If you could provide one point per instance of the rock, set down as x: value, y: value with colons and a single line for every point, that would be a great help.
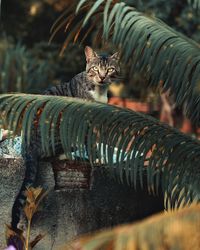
x: 66, y: 213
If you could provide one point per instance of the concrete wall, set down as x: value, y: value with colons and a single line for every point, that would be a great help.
x: 68, y: 213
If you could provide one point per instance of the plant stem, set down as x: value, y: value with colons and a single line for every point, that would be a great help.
x: 28, y: 234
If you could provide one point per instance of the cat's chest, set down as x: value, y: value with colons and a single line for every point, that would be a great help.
x: 99, y: 97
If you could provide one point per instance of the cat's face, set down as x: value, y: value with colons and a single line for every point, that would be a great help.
x: 101, y: 69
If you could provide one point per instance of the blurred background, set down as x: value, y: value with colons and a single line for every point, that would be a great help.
x: 29, y: 63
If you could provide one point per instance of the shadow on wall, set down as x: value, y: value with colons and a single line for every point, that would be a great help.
x: 67, y: 213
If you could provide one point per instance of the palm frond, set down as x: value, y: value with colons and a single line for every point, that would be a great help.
x: 162, y: 231
x: 133, y: 146
x: 169, y: 59
x: 195, y: 4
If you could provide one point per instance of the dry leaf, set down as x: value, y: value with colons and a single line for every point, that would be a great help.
x: 15, y: 238
x: 34, y: 197
x: 38, y: 238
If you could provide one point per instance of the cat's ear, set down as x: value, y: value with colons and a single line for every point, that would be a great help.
x: 115, y: 56
x: 89, y: 53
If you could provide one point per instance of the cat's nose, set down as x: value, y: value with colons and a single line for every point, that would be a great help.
x: 102, y: 77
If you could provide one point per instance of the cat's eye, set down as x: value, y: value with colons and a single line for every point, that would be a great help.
x: 111, y: 70
x: 95, y: 68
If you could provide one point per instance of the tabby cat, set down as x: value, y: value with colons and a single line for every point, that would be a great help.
x: 91, y: 84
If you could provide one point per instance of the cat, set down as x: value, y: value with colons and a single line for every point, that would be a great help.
x: 92, y: 85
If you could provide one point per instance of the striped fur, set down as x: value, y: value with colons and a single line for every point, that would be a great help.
x: 91, y: 84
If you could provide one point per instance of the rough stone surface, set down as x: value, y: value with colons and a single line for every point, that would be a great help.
x: 68, y: 213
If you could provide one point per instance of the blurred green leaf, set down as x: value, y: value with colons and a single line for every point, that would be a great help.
x: 171, y: 230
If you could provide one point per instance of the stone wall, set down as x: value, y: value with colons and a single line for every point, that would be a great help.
x: 67, y: 213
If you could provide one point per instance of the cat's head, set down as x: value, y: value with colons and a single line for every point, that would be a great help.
x: 101, y: 68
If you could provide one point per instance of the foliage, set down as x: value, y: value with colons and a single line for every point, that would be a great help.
x: 20, y: 72
x: 142, y: 145
x: 34, y: 197
x: 147, y: 44
x: 11, y: 11
x: 33, y: 70
x: 180, y: 15
x: 29, y: 15
x: 195, y: 3
x: 16, y: 238
x: 178, y: 230
x: 60, y: 68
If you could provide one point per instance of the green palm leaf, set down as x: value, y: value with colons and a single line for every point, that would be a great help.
x: 169, y: 59
x: 135, y: 147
